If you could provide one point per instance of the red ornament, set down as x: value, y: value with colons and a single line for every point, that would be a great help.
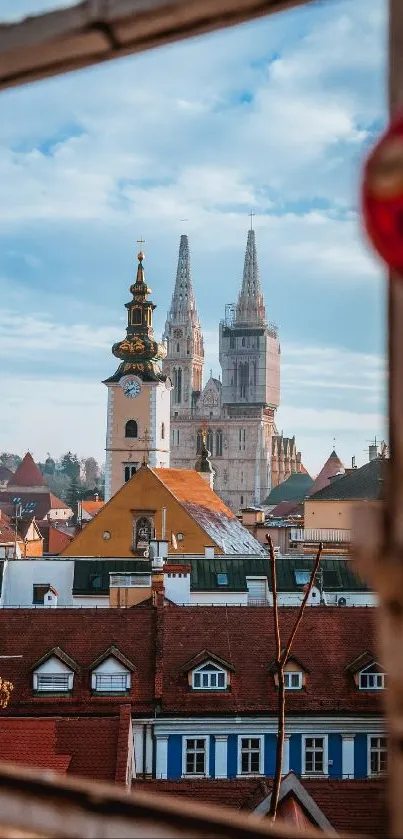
x: 382, y: 196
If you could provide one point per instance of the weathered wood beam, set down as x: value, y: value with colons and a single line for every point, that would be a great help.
x: 379, y: 527
x: 50, y: 805
x: 92, y: 32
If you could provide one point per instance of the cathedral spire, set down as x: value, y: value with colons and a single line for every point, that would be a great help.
x: 183, y: 336
x: 250, y: 307
x: 183, y: 305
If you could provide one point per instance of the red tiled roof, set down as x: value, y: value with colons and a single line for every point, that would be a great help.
x: 7, y: 531
x: 44, y: 501
x: 90, y: 747
x: 225, y: 792
x: 331, y: 468
x: 27, y: 474
x: 354, y: 806
x: 242, y: 636
x: 83, y: 634
x: 33, y: 743
x: 57, y: 503
x: 55, y: 540
x: 287, y: 508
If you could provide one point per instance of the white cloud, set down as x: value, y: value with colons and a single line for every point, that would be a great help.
x: 273, y: 116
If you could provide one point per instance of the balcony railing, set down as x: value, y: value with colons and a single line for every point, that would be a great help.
x: 300, y: 534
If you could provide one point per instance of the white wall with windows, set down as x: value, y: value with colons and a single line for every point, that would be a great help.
x: 322, y: 747
x: 20, y: 577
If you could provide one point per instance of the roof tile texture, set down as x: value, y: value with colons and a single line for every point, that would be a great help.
x: 85, y: 746
x: 170, y: 636
x: 353, y: 806
x: 27, y: 474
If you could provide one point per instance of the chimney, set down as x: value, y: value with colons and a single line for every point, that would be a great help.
x: 157, y: 576
x: 50, y: 598
x: 373, y: 451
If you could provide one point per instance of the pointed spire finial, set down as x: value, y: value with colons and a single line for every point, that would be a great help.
x: 250, y: 308
x: 183, y: 303
x: 252, y: 214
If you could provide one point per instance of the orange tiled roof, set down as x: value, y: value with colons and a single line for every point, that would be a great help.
x: 57, y: 503
x: 189, y: 487
x: 27, y: 474
x: 92, y: 507
x: 206, y: 508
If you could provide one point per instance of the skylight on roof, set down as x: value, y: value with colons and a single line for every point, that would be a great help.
x: 222, y: 579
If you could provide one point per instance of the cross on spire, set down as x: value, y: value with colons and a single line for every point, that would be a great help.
x: 141, y: 241
x: 252, y: 215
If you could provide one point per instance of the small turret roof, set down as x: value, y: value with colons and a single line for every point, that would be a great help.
x: 331, y: 468
x: 27, y: 475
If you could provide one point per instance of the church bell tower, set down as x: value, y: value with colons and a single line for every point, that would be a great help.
x: 138, y: 418
x: 185, y: 353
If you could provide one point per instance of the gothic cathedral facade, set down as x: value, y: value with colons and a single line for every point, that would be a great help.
x: 237, y: 411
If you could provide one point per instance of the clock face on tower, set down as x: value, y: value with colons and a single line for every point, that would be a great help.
x: 131, y: 386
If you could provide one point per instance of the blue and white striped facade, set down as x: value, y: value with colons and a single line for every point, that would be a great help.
x: 160, y: 745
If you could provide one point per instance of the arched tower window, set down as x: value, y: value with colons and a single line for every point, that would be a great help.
x: 199, y: 442
x: 218, y: 443
x: 243, y: 378
x: 136, y: 316
x: 131, y: 428
x: 178, y: 386
x: 209, y: 441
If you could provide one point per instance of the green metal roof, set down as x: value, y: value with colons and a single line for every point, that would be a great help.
x: 91, y: 576
x: 337, y: 573
x: 295, y: 488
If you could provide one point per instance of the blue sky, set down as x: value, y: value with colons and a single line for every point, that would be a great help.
x: 275, y: 117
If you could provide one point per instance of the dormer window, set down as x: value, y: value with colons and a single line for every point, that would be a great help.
x: 111, y: 673
x: 295, y: 674
x: 54, y: 674
x: 293, y: 680
x: 209, y: 677
x: 372, y: 678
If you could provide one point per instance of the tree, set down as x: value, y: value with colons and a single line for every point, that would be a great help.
x: 74, y: 494
x: 10, y: 461
x: 49, y: 466
x: 91, y: 472
x: 59, y: 484
x: 5, y: 692
x: 70, y: 465
x: 282, y: 656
